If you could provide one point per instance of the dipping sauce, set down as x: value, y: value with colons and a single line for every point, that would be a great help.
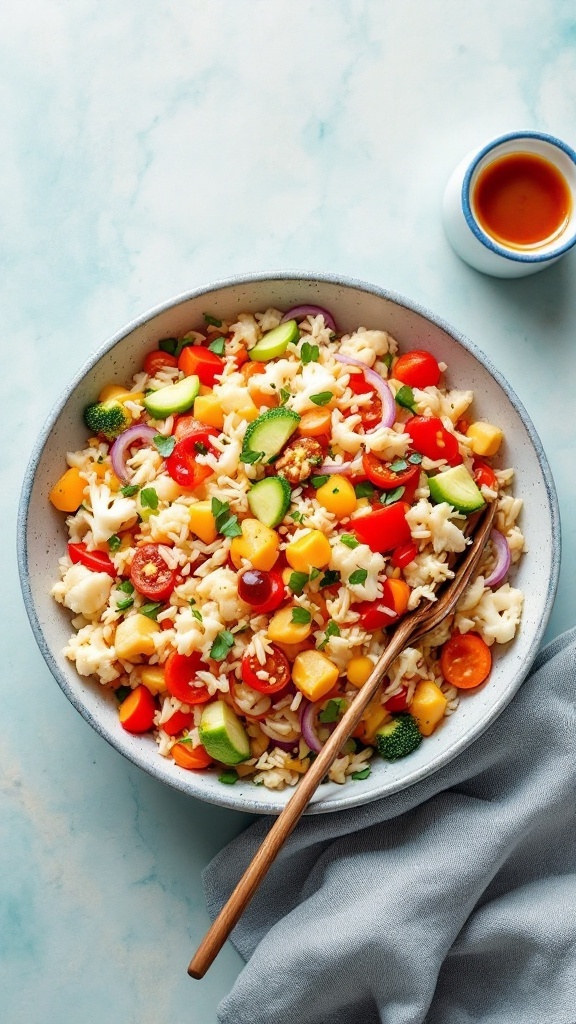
x: 521, y: 200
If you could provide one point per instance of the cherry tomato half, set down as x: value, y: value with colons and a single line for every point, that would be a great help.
x: 371, y: 414
x: 431, y: 439
x: 380, y: 474
x: 418, y: 369
x: 264, y: 591
x: 398, y: 701
x: 465, y: 660
x: 186, y: 425
x: 403, y: 555
x: 275, y: 667
x: 96, y: 561
x: 384, y: 529
x: 150, y: 574
x: 484, y: 475
x: 182, y: 465
x: 158, y: 360
x: 194, y: 359
x: 179, y: 674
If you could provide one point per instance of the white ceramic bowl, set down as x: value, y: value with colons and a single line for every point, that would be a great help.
x: 42, y: 534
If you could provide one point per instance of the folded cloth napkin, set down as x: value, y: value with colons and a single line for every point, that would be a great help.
x: 453, y: 901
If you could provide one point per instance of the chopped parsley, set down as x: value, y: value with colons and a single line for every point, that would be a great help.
x: 298, y: 517
x: 302, y: 616
x: 212, y: 320
x: 322, y: 398
x: 405, y: 398
x: 319, y: 481
x: 364, y: 489
x: 168, y: 345
x: 251, y: 457
x: 126, y: 587
x: 222, y: 645
x: 226, y: 522
x: 398, y: 466
x: 309, y: 353
x: 121, y: 692
x: 415, y: 458
x: 149, y: 498
x: 349, y: 540
x: 358, y: 776
x: 197, y: 614
x: 200, y: 448
x: 114, y: 542
x: 164, y: 445
x: 229, y: 777
x: 333, y: 710
x: 389, y: 497
x: 129, y: 490
x: 217, y: 346
x: 330, y: 577
x: 298, y: 581
x: 332, y: 629
x: 284, y: 396
x: 358, y: 577
x: 124, y: 604
x: 151, y: 610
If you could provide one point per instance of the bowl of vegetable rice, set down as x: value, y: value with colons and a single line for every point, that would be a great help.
x: 235, y: 501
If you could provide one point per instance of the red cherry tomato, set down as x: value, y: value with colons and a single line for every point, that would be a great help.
x: 158, y: 360
x: 186, y: 425
x: 403, y: 555
x: 276, y: 669
x: 418, y: 369
x: 385, y: 528
x: 431, y: 439
x: 138, y: 710
x: 380, y: 474
x: 484, y: 475
x: 177, y: 722
x: 385, y: 610
x: 370, y: 414
x: 179, y: 674
x: 264, y: 591
x: 194, y: 359
x: 150, y: 574
x: 182, y: 465
x: 96, y: 561
x: 398, y: 701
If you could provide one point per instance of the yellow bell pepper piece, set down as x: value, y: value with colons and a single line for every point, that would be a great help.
x: 134, y: 637
x: 311, y: 551
x: 485, y: 438
x: 337, y: 496
x: 120, y: 393
x: 374, y: 716
x: 152, y: 677
x: 428, y: 706
x: 281, y: 628
x: 207, y: 409
x: 358, y: 670
x: 68, y: 491
x: 202, y: 522
x: 314, y: 674
x: 258, y: 543
x: 249, y: 412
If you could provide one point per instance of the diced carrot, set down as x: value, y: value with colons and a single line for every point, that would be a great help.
x: 315, y: 423
x: 68, y: 491
x: 191, y: 758
x: 138, y: 710
x: 465, y: 660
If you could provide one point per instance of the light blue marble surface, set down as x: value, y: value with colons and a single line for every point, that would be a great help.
x: 149, y: 149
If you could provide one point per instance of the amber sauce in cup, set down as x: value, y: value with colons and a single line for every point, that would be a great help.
x: 521, y: 200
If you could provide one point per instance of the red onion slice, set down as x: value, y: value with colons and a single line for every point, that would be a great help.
x: 287, y: 745
x: 380, y: 386
x: 308, y: 726
x: 299, y: 311
x: 335, y: 467
x: 503, y: 559
x: 122, y: 445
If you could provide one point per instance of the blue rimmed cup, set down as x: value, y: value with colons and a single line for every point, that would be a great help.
x: 472, y: 242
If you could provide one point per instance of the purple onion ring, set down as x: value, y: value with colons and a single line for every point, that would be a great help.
x: 300, y: 311
x: 123, y: 443
x: 503, y: 559
x: 308, y: 726
x: 380, y: 386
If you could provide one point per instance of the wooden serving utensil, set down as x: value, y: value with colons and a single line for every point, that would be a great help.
x: 411, y: 628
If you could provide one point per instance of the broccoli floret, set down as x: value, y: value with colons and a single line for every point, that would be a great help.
x: 398, y: 738
x: 109, y: 418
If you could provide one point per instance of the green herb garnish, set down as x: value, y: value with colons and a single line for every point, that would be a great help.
x: 212, y: 320
x: 405, y: 398
x: 222, y: 645
x: 298, y: 581
x: 229, y: 777
x: 358, y: 776
x: 309, y: 353
x: 251, y: 457
x: 151, y: 610
x: 358, y: 577
x: 164, y: 445
x: 332, y: 629
x: 129, y: 490
x: 389, y: 497
x: 415, y: 458
x: 168, y: 345
x: 121, y: 692
x: 330, y: 577
x: 322, y: 398
x: 349, y: 540
x: 333, y: 710
x: 124, y: 604
x: 226, y: 523
x: 217, y: 346
x: 126, y: 587
x: 364, y: 489
x: 114, y: 542
x: 284, y: 396
x: 398, y: 466
x: 319, y: 481
x: 149, y: 498
x: 301, y: 616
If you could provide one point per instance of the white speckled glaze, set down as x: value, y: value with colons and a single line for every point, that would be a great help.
x: 465, y: 234
x: 42, y: 534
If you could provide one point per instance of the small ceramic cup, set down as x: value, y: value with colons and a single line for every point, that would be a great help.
x: 465, y: 233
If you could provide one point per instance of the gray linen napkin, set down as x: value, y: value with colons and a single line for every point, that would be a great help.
x: 453, y: 901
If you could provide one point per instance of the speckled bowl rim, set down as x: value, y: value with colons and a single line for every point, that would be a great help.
x: 350, y: 797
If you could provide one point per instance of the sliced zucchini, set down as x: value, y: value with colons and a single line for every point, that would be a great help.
x: 274, y: 343
x: 269, y: 500
x: 222, y: 734
x: 173, y: 398
x: 268, y: 434
x: 457, y: 487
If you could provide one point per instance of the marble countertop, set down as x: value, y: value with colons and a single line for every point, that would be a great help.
x: 146, y: 151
